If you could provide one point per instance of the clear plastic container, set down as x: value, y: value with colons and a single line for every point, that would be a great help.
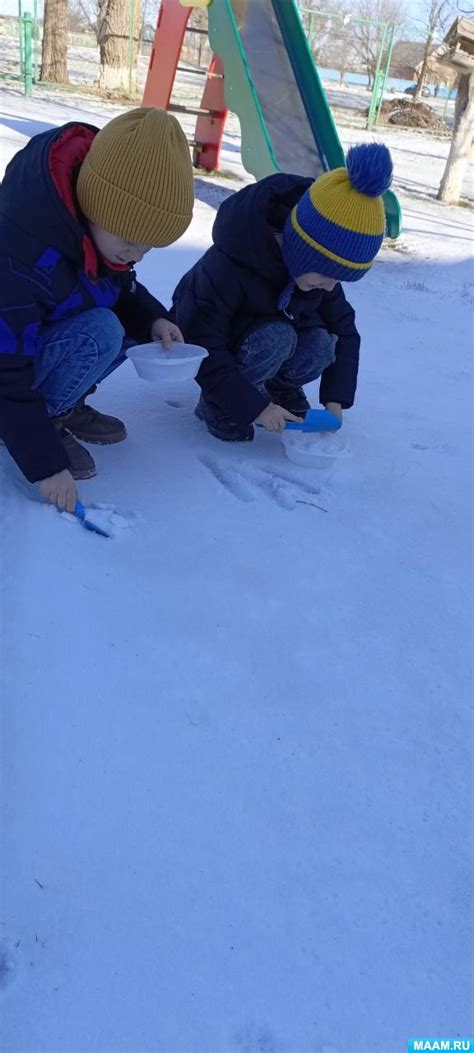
x: 153, y: 363
x: 314, y: 449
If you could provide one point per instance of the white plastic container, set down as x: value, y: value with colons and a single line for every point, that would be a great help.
x: 320, y: 450
x: 180, y: 363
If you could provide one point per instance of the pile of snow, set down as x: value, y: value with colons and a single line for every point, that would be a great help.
x: 105, y: 518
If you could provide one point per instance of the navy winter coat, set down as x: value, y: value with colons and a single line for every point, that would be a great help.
x: 49, y: 271
x: 236, y: 286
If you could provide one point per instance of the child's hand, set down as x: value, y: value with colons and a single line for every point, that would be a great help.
x: 166, y: 331
x: 60, y: 490
x: 335, y: 408
x: 275, y: 417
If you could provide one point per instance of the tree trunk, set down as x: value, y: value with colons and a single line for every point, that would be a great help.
x: 118, y: 66
x: 54, y: 54
x: 421, y: 78
x: 461, y: 143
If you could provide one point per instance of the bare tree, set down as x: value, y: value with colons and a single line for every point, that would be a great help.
x: 149, y: 9
x: 319, y: 29
x: 461, y: 143
x: 342, y: 47
x: 369, y: 34
x: 82, y: 17
x: 54, y: 54
x: 330, y: 34
x: 118, y: 67
x: 437, y: 13
x: 197, y: 42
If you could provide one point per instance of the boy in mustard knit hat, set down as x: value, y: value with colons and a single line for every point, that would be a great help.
x: 78, y: 208
x: 266, y: 299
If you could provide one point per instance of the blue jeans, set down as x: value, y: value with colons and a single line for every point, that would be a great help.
x: 275, y: 351
x: 72, y: 357
x: 76, y: 354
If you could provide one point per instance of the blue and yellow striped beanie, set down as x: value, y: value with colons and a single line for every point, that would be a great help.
x: 337, y: 227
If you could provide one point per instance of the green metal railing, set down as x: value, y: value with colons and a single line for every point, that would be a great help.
x: 384, y: 56
x: 381, y: 75
x: 32, y: 31
x: 393, y: 215
x: 27, y: 53
x: 27, y: 34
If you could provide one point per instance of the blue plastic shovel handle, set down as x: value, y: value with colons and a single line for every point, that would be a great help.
x: 315, y: 420
x: 81, y: 514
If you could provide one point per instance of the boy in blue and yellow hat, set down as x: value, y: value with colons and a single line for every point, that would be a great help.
x: 266, y: 299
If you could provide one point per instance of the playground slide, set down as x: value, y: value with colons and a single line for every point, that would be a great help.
x: 294, y: 145
x: 272, y: 84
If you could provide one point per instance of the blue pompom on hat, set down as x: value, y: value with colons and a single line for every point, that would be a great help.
x: 337, y: 227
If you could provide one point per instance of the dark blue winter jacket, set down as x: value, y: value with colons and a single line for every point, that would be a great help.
x: 236, y: 286
x: 49, y: 271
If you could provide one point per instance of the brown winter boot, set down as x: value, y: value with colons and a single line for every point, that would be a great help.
x: 88, y: 424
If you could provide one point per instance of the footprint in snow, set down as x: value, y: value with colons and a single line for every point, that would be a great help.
x: 8, y: 963
x: 245, y: 482
x: 254, y: 1038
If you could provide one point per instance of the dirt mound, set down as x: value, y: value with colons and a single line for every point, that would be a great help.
x: 411, y: 114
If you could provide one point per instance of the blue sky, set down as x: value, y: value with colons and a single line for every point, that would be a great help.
x: 10, y: 7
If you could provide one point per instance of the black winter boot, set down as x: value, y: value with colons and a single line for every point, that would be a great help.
x: 292, y: 399
x: 81, y: 464
x: 222, y: 427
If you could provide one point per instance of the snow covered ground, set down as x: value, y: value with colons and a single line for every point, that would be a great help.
x: 83, y: 70
x: 419, y: 158
x: 235, y: 738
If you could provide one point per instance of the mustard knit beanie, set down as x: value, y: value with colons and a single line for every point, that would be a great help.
x: 137, y: 180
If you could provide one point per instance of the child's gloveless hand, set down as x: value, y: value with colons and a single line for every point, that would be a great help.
x: 167, y: 332
x: 60, y: 490
x: 336, y: 409
x: 274, y: 417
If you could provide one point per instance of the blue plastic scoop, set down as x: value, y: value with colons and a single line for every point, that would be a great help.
x: 87, y: 523
x: 315, y: 420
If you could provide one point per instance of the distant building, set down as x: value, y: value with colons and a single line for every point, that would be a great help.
x: 406, y: 56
